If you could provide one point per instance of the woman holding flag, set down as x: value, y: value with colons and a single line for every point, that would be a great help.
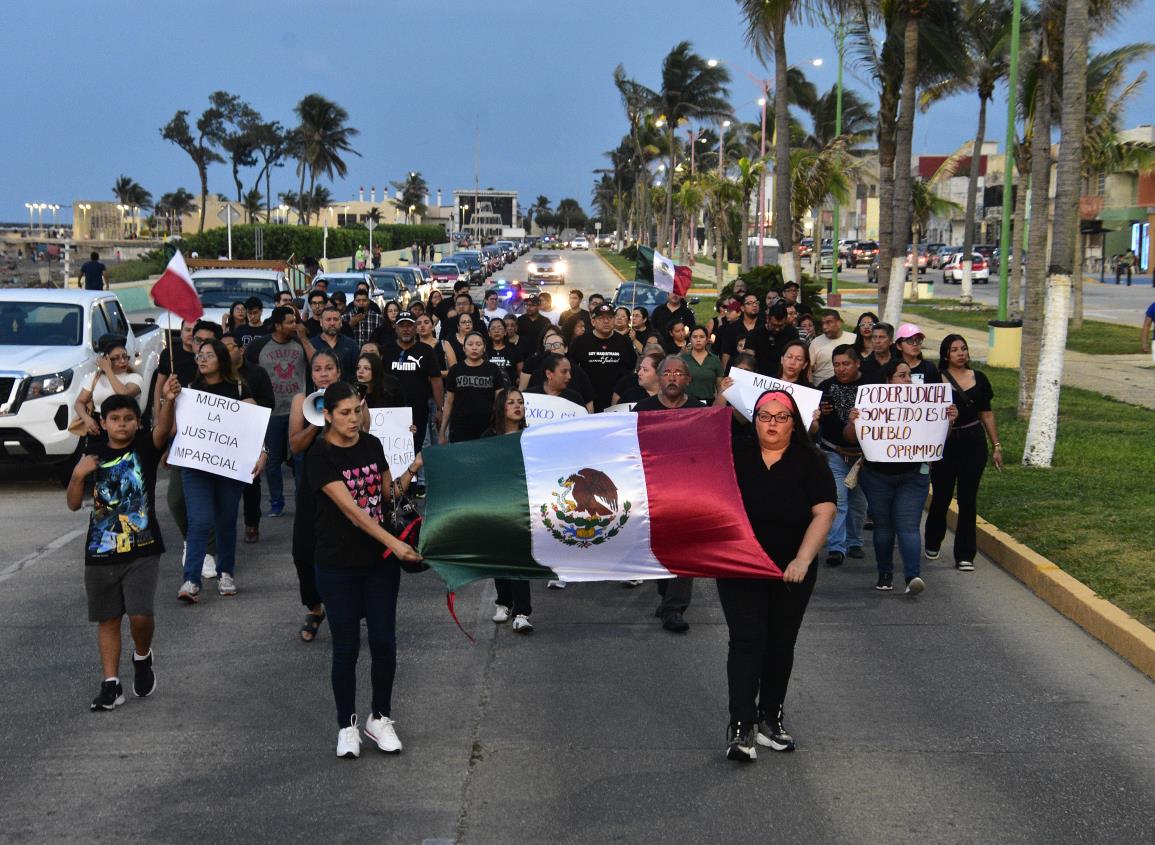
x: 764, y: 615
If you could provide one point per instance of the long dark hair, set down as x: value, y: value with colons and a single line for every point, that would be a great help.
x: 804, y: 374
x: 224, y: 362
x: 376, y: 393
x: 944, y: 351
x: 859, y: 340
x: 800, y: 435
x: 497, y: 419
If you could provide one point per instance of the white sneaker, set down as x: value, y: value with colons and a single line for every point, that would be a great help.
x: 637, y: 582
x: 965, y: 566
x: 380, y: 729
x: 521, y: 624
x: 209, y: 568
x: 501, y: 613
x: 555, y: 584
x: 349, y: 741
x: 227, y: 586
x: 189, y: 592
x: 915, y: 586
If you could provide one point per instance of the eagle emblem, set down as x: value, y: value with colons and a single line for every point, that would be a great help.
x: 583, y: 510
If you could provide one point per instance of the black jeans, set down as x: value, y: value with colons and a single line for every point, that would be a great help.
x: 963, y: 460
x: 763, y: 617
x: 676, y: 594
x: 350, y: 595
x: 252, y: 503
x: 514, y: 594
x: 304, y: 546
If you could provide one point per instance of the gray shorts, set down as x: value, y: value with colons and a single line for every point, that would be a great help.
x: 118, y: 589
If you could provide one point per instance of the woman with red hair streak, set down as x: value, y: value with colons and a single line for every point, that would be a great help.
x: 764, y: 615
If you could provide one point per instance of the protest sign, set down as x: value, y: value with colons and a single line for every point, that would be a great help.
x: 218, y: 434
x: 749, y: 386
x: 542, y: 408
x: 902, y: 423
x: 391, y: 426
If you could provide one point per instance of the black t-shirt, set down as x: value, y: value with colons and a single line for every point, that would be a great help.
x: 731, y: 334
x: 231, y: 390
x: 842, y: 397
x: 507, y: 358
x: 123, y: 524
x: 258, y: 383
x: 604, y: 361
x: 924, y: 372
x: 473, y: 389
x: 778, y: 500
x: 654, y: 403
x: 767, y: 347
x: 871, y: 369
x: 568, y: 393
x: 529, y: 332
x: 579, y: 382
x: 93, y: 275
x: 972, y: 402
x: 360, y: 468
x: 663, y: 316
x: 186, y: 364
x: 414, y: 367
x: 246, y: 334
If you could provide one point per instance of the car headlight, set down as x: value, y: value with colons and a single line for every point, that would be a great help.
x: 48, y: 385
x: 532, y: 268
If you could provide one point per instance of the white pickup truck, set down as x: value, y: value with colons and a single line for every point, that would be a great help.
x: 48, y: 352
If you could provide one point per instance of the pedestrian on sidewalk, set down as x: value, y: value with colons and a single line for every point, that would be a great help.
x: 964, y: 457
x: 764, y: 615
x: 1124, y: 264
x: 123, y: 545
x: 512, y: 593
x: 355, y: 580
x: 895, y: 496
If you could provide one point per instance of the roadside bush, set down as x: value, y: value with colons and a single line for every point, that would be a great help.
x: 282, y: 242
x: 630, y: 252
x: 767, y: 277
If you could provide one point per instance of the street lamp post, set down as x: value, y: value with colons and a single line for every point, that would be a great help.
x: 30, y: 206
x: 722, y: 148
x: 1008, y: 155
x: 837, y: 132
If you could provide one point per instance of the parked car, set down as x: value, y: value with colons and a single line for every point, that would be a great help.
x: 844, y: 248
x: 922, y: 260
x: 448, y: 273
x: 48, y: 355
x: 390, y: 285
x: 220, y: 288
x: 411, y: 274
x: 580, y: 242
x: 863, y: 252
x: 872, y: 271
x: 546, y: 268
x: 643, y: 294
x: 826, y: 261
x: 347, y: 284
x: 952, y: 271
x: 805, y: 247
x: 472, y: 265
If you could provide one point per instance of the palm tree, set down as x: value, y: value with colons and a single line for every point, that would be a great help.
x: 322, y: 139
x: 925, y: 205
x: 720, y: 196
x: 174, y: 206
x: 986, y: 32
x: 570, y: 211
x: 688, y: 199
x: 858, y: 122
x: 539, y: 208
x: 748, y: 178
x: 691, y: 90
x: 130, y: 192
x: 817, y: 175
x: 413, y: 190
x: 252, y: 204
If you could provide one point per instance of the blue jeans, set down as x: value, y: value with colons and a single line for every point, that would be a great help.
x: 211, y: 502
x: 896, y: 503
x: 846, y: 532
x: 277, y: 441
x: 350, y: 595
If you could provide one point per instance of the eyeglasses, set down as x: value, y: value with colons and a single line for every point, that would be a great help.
x: 206, y: 356
x: 557, y: 345
x: 675, y: 374
x: 917, y: 341
x: 117, y: 357
x: 766, y: 416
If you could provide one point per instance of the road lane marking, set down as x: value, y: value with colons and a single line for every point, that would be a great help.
x: 36, y: 556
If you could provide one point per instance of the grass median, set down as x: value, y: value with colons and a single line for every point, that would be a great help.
x: 1095, y: 338
x: 1091, y: 513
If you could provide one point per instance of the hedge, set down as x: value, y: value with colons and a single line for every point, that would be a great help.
x: 281, y: 242
x: 768, y: 277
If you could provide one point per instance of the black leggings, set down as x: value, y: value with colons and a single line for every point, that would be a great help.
x: 514, y: 594
x: 963, y: 460
x: 350, y: 595
x: 763, y: 617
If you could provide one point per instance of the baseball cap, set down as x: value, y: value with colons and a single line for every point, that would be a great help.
x: 405, y: 317
x: 790, y: 285
x: 602, y: 310
x: 907, y: 330
x: 533, y: 298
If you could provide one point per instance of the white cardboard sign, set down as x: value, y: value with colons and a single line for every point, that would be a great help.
x: 218, y: 434
x: 391, y: 426
x: 902, y: 423
x: 749, y: 386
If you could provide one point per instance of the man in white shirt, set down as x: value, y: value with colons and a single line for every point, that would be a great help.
x: 822, y: 347
x: 491, y: 311
x: 547, y: 310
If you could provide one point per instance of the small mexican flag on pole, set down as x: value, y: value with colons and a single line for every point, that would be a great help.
x: 662, y: 272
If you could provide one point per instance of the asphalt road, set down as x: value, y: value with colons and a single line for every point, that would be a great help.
x: 974, y: 713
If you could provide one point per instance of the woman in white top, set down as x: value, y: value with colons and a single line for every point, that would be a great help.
x: 114, y: 375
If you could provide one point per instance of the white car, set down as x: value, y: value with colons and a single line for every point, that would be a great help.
x: 219, y: 288
x: 580, y: 242
x: 952, y: 271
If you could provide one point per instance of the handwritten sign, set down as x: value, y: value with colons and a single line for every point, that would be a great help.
x: 902, y: 423
x: 391, y: 426
x: 542, y: 408
x: 749, y: 386
x: 218, y: 434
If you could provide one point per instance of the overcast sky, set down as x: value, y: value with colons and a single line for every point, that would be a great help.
x: 87, y: 86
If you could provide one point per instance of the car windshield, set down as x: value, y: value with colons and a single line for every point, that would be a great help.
x: 647, y: 296
x: 221, y: 292
x: 862, y: 244
x: 345, y: 284
x: 543, y: 258
x: 41, y: 324
x: 445, y: 269
x: 387, y: 281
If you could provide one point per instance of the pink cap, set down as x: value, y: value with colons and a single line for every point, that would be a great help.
x: 907, y: 330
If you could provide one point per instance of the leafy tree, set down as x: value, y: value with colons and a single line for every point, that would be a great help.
x: 252, y: 204
x: 413, y: 192
x: 175, y: 205
x: 198, y: 147
x: 271, y: 143
x: 236, y: 133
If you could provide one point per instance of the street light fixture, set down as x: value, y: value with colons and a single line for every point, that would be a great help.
x: 30, y: 206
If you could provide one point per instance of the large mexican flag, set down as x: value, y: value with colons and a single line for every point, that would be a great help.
x: 661, y: 272
x: 606, y: 497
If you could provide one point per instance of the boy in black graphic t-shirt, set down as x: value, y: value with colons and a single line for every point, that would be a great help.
x: 123, y: 543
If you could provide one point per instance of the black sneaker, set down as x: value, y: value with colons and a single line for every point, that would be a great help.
x: 772, y: 733
x: 932, y: 554
x: 111, y: 696
x: 417, y: 491
x: 885, y: 582
x: 740, y: 743
x: 856, y: 552
x: 143, y: 678
x: 834, y: 559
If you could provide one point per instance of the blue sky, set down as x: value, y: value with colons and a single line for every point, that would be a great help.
x: 86, y: 93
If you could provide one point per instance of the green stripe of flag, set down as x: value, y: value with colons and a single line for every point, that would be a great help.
x: 456, y: 533
x: 644, y: 265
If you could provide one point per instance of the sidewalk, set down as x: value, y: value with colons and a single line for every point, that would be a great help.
x: 1127, y: 378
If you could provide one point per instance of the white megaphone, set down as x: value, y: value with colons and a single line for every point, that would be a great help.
x: 314, y: 408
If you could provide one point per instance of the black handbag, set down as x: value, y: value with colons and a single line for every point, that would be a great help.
x: 404, y: 523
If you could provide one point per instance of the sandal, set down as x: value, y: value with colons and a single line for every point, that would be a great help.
x: 312, y: 624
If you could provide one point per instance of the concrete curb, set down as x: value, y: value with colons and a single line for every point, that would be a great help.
x: 1120, y: 632
x: 613, y: 269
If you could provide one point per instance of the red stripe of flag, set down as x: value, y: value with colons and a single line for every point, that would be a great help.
x: 687, y: 459
x: 682, y: 278
x: 174, y: 290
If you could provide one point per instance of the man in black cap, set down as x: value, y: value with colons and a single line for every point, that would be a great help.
x: 790, y: 293
x: 530, y: 327
x: 416, y: 367
x: 604, y: 355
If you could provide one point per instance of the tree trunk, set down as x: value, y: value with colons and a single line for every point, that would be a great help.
x: 887, y: 112
x: 669, y: 216
x: 268, y: 195
x: 744, y: 241
x: 969, y: 222
x: 1077, y: 285
x: 203, y: 172
x: 300, y: 198
x: 1037, y: 238
x: 1018, y: 232
x: 783, y: 224
x: 1040, y: 446
x: 902, y: 177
